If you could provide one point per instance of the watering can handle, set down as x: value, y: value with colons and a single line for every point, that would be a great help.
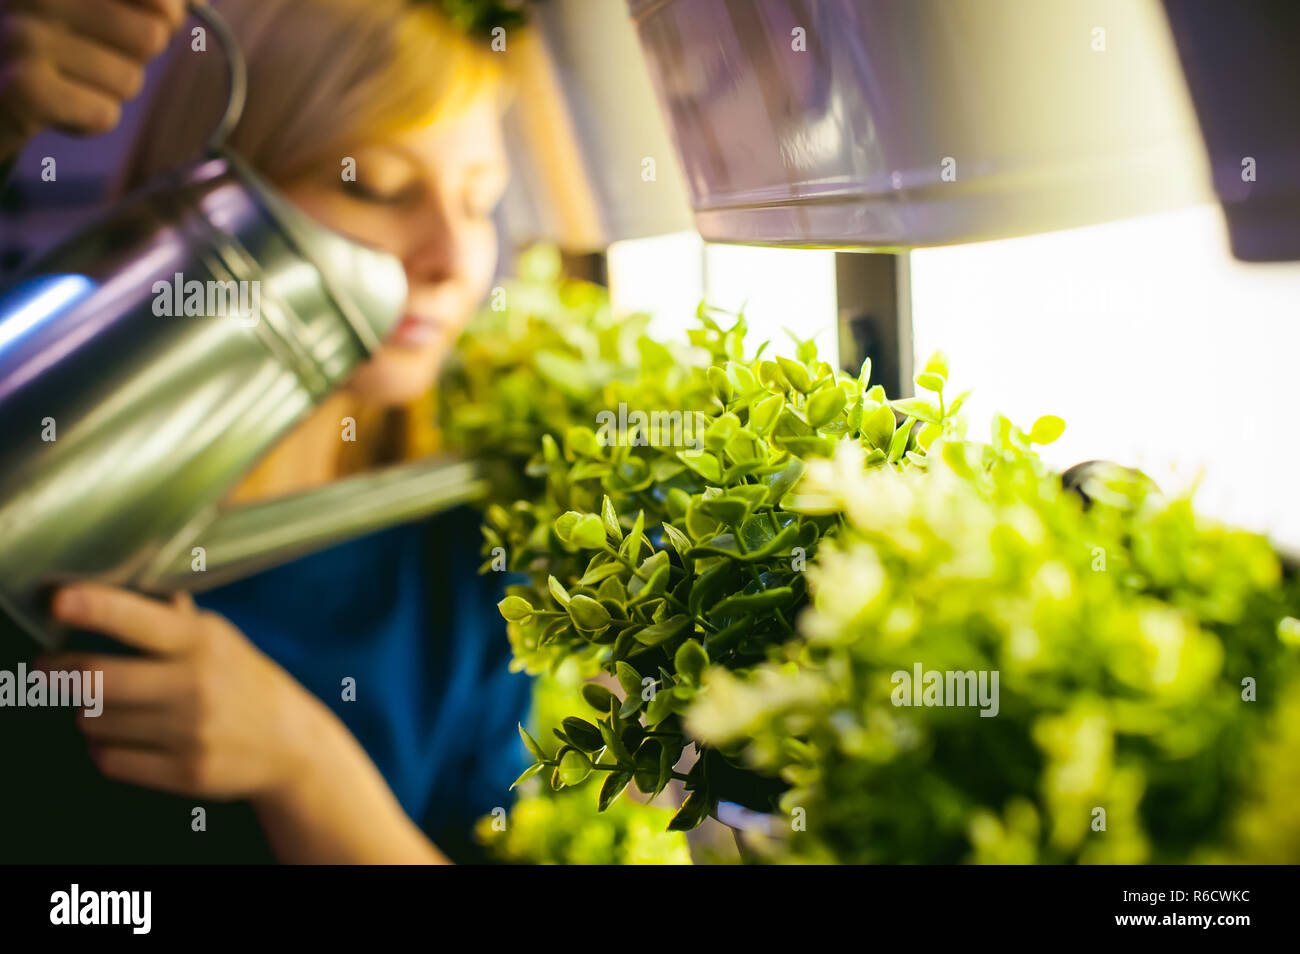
x: 237, y: 69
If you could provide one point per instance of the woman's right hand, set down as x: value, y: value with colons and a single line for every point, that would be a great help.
x: 71, y: 64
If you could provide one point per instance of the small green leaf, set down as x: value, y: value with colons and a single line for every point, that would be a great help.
x: 532, y: 745
x: 565, y: 523
x: 631, y: 705
x: 527, y: 774
x: 929, y: 381
x: 703, y: 463
x: 727, y: 638
x: 807, y: 446
x: 680, y: 541
x: 588, y: 614
x: 764, y: 413
x: 720, y: 432
x: 927, y: 435
x: 600, y: 571
x: 937, y: 363
x: 656, y: 585
x: 663, y: 631
x: 1046, y: 429
x: 660, y: 708
x: 598, y: 697
x: 728, y: 510
x: 795, y: 373
x: 825, y: 406
x: 769, y: 375
x: 752, y: 602
x: 691, y: 660
x: 878, y: 426
x: 693, y: 811
x: 515, y: 608
x: 628, y: 678
x: 646, y: 775
x: 781, y: 482
x: 956, y: 457
x: 583, y: 734
x: 612, y: 788
x: 630, y: 549
x: 919, y: 408
x: 582, y: 441
x: 574, y: 767
x: 709, y: 587
x: 609, y: 516
x: 614, y: 742
x: 899, y: 443
x: 720, y: 384
x: 588, y: 533
x: 558, y: 591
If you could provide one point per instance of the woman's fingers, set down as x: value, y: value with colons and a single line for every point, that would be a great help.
x: 72, y: 63
x: 150, y: 768
x: 98, y: 67
x: 34, y: 95
x: 133, y: 619
x: 138, y: 29
x: 126, y: 681
x: 148, y: 728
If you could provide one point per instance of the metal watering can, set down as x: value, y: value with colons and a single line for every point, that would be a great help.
x: 125, y: 422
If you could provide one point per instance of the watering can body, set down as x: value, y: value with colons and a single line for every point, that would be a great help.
x: 148, y: 362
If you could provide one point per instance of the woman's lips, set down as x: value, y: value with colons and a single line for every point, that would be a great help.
x: 415, y: 331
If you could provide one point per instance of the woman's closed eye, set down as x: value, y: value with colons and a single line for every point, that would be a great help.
x: 400, y: 193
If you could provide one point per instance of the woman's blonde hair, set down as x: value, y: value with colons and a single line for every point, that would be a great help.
x: 324, y: 76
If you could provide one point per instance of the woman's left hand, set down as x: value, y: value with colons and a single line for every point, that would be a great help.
x: 205, y: 713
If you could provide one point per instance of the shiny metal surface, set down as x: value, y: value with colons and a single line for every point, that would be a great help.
x: 123, y: 428
x: 904, y: 123
x: 251, y: 538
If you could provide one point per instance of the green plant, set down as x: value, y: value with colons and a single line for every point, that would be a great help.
x: 564, y: 828
x: 549, y: 827
x: 657, y: 544
x: 537, y: 362
x: 1137, y: 647
x: 670, y: 552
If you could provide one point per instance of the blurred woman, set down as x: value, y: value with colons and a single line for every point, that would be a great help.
x: 354, y: 705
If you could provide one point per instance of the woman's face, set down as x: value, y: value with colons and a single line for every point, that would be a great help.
x: 427, y: 196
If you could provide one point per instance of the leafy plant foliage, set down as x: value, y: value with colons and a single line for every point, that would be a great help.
x: 1137, y: 649
x: 660, y: 551
x: 751, y: 547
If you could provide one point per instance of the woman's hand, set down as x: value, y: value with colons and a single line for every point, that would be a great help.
x: 207, y: 714
x: 73, y: 63
x: 204, y: 714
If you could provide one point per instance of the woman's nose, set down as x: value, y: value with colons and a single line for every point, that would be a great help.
x: 434, y: 242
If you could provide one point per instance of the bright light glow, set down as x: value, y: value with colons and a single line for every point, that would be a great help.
x: 38, y: 300
x: 780, y: 289
x: 663, y: 276
x: 667, y: 276
x: 1155, y: 345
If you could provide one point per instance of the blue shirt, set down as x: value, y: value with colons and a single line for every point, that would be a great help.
x: 399, y: 635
